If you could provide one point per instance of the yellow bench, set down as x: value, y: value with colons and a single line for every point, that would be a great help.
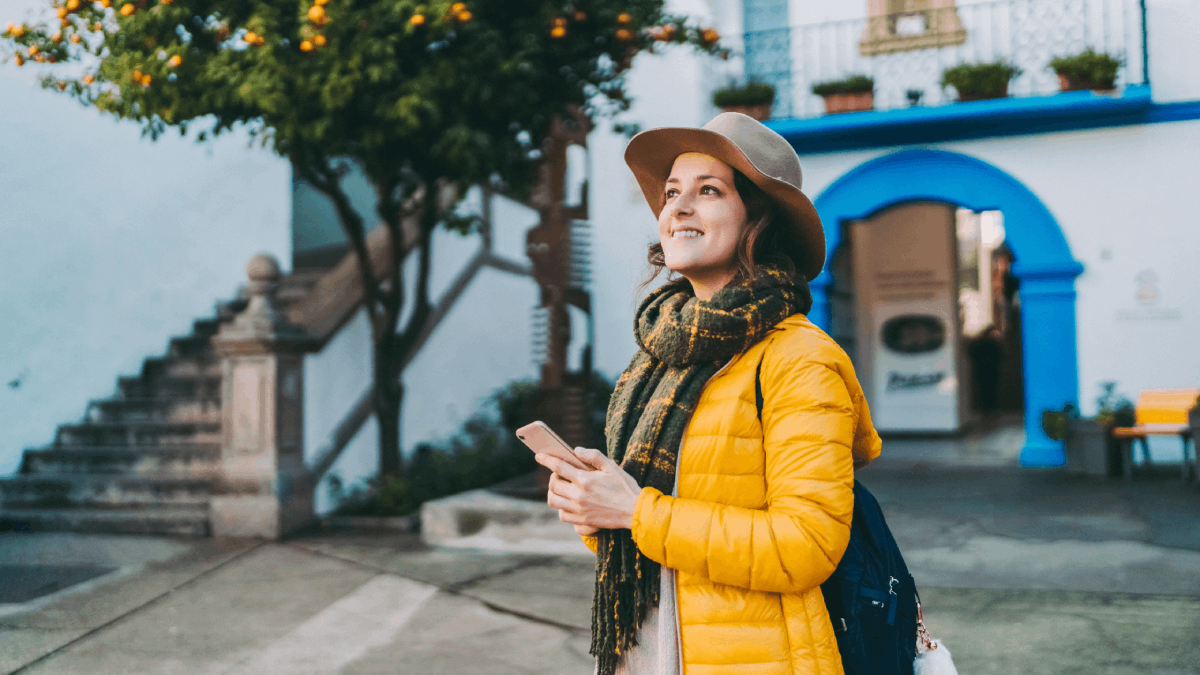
x: 1159, y: 412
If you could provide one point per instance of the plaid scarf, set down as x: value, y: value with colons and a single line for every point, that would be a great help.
x: 683, y: 342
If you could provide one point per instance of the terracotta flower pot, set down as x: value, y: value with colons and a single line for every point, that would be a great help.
x: 851, y: 102
x: 1065, y: 83
x: 759, y: 111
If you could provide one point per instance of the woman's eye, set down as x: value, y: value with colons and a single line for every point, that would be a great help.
x: 709, y: 187
x: 671, y: 193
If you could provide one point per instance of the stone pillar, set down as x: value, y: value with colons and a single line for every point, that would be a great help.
x: 263, y: 489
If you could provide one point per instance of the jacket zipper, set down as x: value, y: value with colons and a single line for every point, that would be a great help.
x: 675, y: 493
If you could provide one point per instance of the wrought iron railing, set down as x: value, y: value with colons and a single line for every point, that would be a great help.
x: 907, y: 52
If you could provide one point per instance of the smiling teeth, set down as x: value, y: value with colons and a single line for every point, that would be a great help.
x: 687, y: 233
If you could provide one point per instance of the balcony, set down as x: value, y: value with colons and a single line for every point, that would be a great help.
x: 906, y: 51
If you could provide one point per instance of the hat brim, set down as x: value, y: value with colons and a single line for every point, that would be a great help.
x: 651, y: 154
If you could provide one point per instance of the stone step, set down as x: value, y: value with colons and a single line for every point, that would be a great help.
x: 104, y: 492
x: 189, y: 386
x: 137, y: 433
x: 160, y: 520
x: 189, y: 460
x: 204, y: 410
x: 486, y: 520
x: 203, y: 365
x: 205, y: 328
x: 190, y: 346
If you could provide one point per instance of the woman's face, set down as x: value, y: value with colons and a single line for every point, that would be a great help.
x: 701, y: 220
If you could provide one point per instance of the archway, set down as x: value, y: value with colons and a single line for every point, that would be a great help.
x: 1045, y: 266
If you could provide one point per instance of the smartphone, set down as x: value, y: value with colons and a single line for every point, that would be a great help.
x: 541, y: 438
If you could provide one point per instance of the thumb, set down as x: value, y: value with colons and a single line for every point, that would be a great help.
x: 592, y: 457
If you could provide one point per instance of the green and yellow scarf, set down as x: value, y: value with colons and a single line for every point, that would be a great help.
x: 683, y: 342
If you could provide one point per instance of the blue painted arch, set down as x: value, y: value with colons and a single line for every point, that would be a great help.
x: 1045, y: 266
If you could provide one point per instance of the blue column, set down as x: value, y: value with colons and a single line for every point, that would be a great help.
x: 820, y: 312
x: 1048, y: 334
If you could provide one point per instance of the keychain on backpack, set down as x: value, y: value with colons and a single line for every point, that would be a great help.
x: 932, y: 656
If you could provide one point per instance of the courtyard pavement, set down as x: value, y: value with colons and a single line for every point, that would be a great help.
x: 1020, y: 571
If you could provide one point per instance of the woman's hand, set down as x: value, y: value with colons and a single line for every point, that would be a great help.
x: 591, y: 500
x: 556, y: 487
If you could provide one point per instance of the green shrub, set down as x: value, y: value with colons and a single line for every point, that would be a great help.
x: 1088, y: 69
x: 484, y: 452
x: 980, y: 80
x: 753, y: 93
x: 854, y: 84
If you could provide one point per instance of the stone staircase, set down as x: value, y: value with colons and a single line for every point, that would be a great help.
x: 144, y: 460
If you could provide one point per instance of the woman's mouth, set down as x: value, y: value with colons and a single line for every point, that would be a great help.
x: 686, y: 234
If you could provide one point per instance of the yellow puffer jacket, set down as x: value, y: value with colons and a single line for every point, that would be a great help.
x: 759, y: 524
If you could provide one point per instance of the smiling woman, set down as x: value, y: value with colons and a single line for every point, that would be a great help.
x: 712, y: 544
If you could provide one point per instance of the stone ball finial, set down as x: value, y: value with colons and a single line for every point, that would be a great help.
x: 263, y: 268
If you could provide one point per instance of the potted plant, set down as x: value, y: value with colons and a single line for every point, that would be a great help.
x: 1087, y: 70
x: 753, y: 99
x: 978, y: 81
x: 1088, y: 442
x: 850, y: 94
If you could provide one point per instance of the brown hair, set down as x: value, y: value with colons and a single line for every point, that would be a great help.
x: 765, y: 239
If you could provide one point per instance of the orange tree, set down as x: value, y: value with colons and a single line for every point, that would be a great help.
x: 426, y: 97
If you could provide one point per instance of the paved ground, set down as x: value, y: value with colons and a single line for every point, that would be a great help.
x: 1021, y: 571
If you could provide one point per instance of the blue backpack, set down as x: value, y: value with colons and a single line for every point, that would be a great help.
x: 871, y: 597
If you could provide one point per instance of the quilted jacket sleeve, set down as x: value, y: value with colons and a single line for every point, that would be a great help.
x: 796, y: 541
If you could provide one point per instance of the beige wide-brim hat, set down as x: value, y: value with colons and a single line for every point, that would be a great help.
x: 746, y: 144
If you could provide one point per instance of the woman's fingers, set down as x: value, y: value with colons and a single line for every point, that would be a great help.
x: 559, y: 467
x: 593, y: 457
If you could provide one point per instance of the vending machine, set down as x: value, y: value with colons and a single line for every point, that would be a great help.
x: 908, y: 342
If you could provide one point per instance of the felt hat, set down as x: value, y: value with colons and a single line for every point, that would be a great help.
x: 746, y: 144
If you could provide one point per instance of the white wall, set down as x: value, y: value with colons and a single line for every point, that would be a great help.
x: 111, y: 245
x: 1173, y: 27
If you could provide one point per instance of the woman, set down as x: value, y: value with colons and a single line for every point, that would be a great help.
x: 712, y: 545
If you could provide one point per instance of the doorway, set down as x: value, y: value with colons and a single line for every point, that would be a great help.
x: 924, y: 301
x: 1042, y: 265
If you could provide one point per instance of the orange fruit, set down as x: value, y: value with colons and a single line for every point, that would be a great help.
x: 61, y: 12
x: 711, y: 35
x: 458, y: 7
x: 62, y: 86
x: 320, y: 3
x: 97, y: 26
x: 251, y: 37
x: 580, y: 16
x: 624, y: 18
x: 306, y: 45
x: 18, y: 31
x: 56, y: 38
x: 75, y: 38
x: 20, y: 60
x: 174, y: 61
x: 417, y: 19
x: 88, y: 79
x: 464, y: 16
x: 33, y: 50
x: 316, y: 14
x: 146, y: 80
x: 72, y: 5
x: 319, y: 40
x: 128, y: 9
x: 560, y: 21
x: 106, y: 3
x: 558, y: 31
x: 624, y: 34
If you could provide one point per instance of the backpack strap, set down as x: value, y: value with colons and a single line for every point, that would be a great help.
x: 758, y: 399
